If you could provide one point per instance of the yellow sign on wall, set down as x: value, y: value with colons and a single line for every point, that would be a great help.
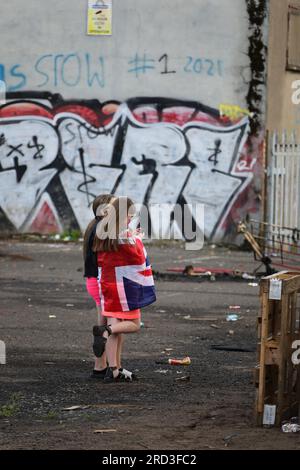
x: 99, y: 17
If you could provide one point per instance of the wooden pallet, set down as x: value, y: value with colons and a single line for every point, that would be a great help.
x: 277, y: 378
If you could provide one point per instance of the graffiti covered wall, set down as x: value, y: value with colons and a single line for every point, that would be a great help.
x: 58, y: 153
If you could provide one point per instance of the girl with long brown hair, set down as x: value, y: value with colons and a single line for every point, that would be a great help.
x: 126, y: 282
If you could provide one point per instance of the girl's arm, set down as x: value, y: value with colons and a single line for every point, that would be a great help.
x: 92, y: 286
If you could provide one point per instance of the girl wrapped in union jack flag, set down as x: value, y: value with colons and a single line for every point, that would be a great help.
x: 126, y: 281
x: 91, y: 273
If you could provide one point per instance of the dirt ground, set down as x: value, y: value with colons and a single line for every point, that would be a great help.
x: 46, y: 321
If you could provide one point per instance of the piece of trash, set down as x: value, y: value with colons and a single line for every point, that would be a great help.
x: 232, y: 317
x: 161, y: 311
x: 231, y: 332
x: 187, y: 317
x: 253, y: 284
x: 142, y: 324
x: 69, y: 305
x: 290, y: 427
x: 103, y: 431
x: 56, y: 237
x: 234, y: 307
x: 212, y: 278
x: 186, y: 378
x: 76, y: 407
x: 229, y: 438
x: 215, y: 326
x: 180, y: 362
x: 248, y: 276
x: 52, y: 316
x: 161, y: 371
x: 169, y: 349
x: 269, y: 416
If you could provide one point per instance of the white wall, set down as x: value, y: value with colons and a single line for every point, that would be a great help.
x: 38, y: 35
x: 47, y: 185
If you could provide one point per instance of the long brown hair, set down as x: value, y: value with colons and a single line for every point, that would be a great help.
x: 110, y: 228
x: 101, y: 200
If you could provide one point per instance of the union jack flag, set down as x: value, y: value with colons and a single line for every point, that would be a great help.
x: 126, y: 280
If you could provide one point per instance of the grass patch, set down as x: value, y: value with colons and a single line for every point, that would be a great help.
x: 11, y: 408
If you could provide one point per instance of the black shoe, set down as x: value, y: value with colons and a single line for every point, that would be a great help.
x: 109, y: 377
x: 99, y: 341
x: 130, y: 376
x: 98, y: 374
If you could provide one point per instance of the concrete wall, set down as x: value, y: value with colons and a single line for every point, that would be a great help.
x: 281, y: 113
x: 168, y: 109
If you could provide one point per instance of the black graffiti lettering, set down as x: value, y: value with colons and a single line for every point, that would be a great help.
x: 2, y: 139
x: 86, y: 179
x: 19, y: 169
x: 15, y: 148
x: 71, y: 132
x: 35, y: 145
x: 149, y: 165
x: 216, y: 151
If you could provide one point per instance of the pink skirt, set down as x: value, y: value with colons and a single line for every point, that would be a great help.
x: 130, y: 315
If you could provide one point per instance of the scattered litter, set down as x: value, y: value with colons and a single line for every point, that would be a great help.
x: 29, y: 299
x: 248, y: 276
x: 215, y: 326
x: 291, y: 426
x: 234, y: 307
x: 52, y: 316
x: 229, y: 438
x: 161, y: 311
x: 69, y: 305
x: 142, y: 324
x: 56, y: 237
x: 253, y: 284
x: 180, y: 362
x: 232, y: 317
x: 186, y: 378
x: 175, y: 362
x: 269, y: 417
x: 76, y: 407
x: 231, y: 332
x: 188, y: 317
x: 103, y: 431
x: 161, y: 371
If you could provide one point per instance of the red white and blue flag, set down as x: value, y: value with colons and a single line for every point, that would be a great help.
x: 126, y: 280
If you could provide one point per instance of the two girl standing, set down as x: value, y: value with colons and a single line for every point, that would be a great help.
x: 119, y: 278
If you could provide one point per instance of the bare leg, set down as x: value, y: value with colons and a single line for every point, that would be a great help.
x: 124, y: 326
x: 117, y: 327
x: 119, y: 350
x: 100, y: 362
x: 112, y: 347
